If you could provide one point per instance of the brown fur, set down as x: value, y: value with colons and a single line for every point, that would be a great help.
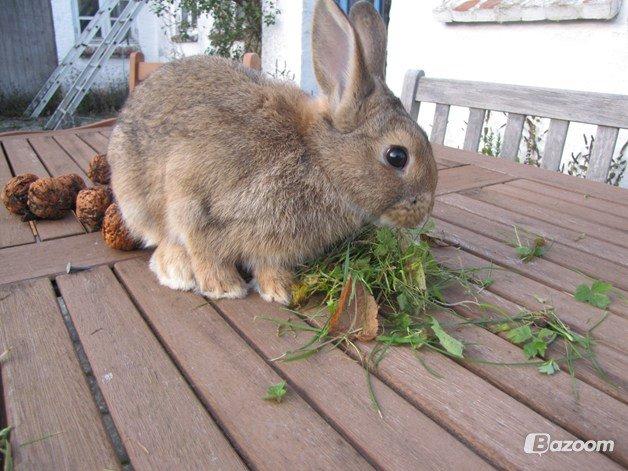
x: 218, y: 165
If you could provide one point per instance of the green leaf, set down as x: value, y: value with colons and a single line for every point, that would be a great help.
x: 599, y: 300
x: 547, y: 335
x: 520, y: 334
x: 534, y: 348
x: 419, y: 275
x: 601, y: 287
x: 523, y: 252
x: 404, y: 303
x: 595, y: 295
x: 453, y: 346
x: 276, y: 392
x: 437, y: 293
x: 583, y: 293
x: 549, y: 367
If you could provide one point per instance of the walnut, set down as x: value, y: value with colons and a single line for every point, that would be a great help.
x: 50, y: 198
x: 91, y: 205
x: 115, y: 233
x: 15, y: 193
x: 74, y: 182
x: 99, y: 170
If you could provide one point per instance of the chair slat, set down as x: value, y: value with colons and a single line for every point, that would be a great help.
x: 439, y: 126
x: 408, y: 92
x: 602, y: 153
x: 474, y: 129
x: 585, y: 107
x: 512, y: 136
x: 555, y: 144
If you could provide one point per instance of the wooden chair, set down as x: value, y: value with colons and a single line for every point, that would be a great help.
x: 609, y: 112
x: 140, y: 70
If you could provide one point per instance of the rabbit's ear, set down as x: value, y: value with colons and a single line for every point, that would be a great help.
x: 372, y: 33
x: 339, y: 63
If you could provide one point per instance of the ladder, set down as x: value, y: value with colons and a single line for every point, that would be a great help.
x: 82, y: 83
x: 49, y: 88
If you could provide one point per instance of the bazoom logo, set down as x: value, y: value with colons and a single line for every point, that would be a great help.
x: 541, y: 443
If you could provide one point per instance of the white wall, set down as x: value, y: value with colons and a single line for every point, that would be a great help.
x: 151, y: 33
x: 286, y: 44
x: 580, y: 55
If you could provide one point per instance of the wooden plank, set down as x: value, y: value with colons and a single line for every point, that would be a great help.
x: 579, y: 315
x: 147, y: 68
x: 79, y: 150
x: 555, y: 144
x: 602, y: 153
x: 405, y: 438
x: 474, y: 215
x: 549, y: 201
x: 579, y: 199
x: 508, y: 198
x: 516, y: 170
x: 574, y: 405
x: 58, y: 228
x: 512, y: 136
x: 439, y: 126
x: 97, y: 141
x: 55, y: 158
x: 467, y: 177
x: 134, y: 60
x: 586, y: 107
x: 408, y: 91
x: 46, y: 396
x: 216, y: 359
x: 614, y: 382
x: 483, y: 206
x: 161, y: 422
x: 106, y: 132
x: 489, y: 420
x: 562, y: 276
x: 50, y: 258
x: 474, y: 129
x: 12, y: 230
x: 24, y: 160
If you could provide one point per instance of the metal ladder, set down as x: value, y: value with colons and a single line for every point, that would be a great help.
x: 82, y: 83
x: 49, y: 88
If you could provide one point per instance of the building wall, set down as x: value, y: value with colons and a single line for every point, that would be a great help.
x: 149, y: 33
x: 580, y: 55
x: 26, y: 59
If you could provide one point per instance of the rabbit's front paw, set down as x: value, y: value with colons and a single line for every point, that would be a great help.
x: 220, y: 282
x: 171, y: 264
x: 273, y: 284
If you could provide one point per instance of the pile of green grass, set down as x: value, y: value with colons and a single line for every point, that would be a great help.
x: 397, y: 267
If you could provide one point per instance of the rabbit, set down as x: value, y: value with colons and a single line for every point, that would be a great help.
x: 219, y: 166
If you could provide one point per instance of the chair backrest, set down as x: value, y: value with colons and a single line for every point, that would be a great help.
x: 609, y: 112
x: 139, y: 70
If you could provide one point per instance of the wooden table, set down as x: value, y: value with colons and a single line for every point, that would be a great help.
x: 108, y: 369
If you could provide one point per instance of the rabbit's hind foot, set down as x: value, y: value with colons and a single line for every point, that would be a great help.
x: 171, y: 264
x: 273, y: 284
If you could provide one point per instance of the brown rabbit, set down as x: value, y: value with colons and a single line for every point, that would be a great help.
x: 217, y: 165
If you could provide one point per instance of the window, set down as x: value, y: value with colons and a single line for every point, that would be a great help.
x: 87, y: 9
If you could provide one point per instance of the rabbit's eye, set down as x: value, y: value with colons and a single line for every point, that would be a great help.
x: 397, y: 156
